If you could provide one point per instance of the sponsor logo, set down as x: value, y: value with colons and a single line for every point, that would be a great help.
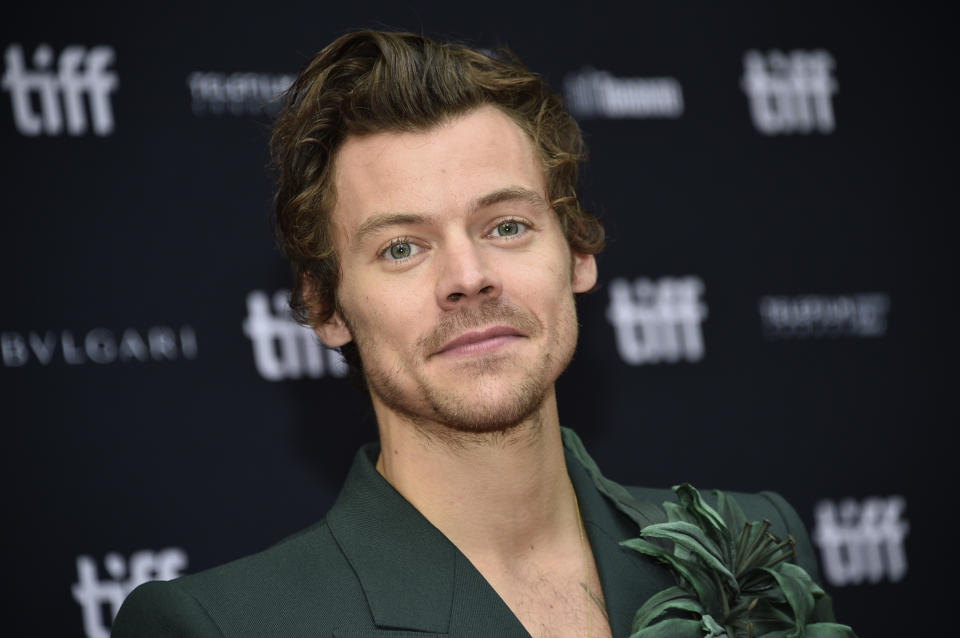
x: 100, y: 600
x: 232, y: 94
x: 282, y: 348
x: 598, y: 94
x: 100, y: 345
x: 44, y: 100
x: 657, y: 321
x: 814, y: 316
x: 790, y: 92
x: 862, y: 541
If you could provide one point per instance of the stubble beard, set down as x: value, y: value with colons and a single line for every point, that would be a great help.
x: 475, y: 406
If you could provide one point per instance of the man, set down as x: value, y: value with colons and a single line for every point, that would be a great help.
x: 427, y: 203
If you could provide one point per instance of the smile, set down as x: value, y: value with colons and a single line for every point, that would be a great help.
x: 480, y: 342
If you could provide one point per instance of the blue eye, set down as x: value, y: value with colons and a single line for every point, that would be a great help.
x: 509, y: 228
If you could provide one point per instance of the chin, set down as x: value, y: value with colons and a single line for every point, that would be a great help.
x: 493, y: 404
x: 489, y: 409
x: 484, y: 421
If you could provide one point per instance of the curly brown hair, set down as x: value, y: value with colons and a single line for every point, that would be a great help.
x: 375, y: 81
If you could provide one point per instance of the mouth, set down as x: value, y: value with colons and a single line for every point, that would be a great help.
x: 480, y: 341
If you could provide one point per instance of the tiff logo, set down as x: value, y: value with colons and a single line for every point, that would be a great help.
x: 790, y: 93
x: 591, y: 93
x: 43, y: 98
x: 100, y: 600
x: 659, y: 320
x: 862, y: 541
x: 282, y: 348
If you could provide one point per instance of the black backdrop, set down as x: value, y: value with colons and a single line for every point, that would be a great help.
x: 774, y: 310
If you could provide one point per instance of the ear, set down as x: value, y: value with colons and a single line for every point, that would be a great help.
x: 584, y: 272
x: 334, y: 332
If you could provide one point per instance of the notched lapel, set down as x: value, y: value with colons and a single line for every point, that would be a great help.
x: 416, y: 581
x: 404, y: 564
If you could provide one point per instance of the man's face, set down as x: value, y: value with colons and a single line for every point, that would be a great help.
x: 457, y: 282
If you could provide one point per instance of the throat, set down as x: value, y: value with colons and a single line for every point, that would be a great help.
x: 491, y: 497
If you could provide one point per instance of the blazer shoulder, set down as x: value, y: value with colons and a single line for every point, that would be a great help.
x: 163, y: 609
x: 293, y: 588
x: 307, y: 553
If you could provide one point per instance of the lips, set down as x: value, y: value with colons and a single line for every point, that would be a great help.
x: 480, y: 340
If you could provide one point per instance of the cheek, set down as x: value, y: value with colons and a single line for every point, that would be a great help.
x: 553, y: 276
x: 544, y: 287
x: 383, y: 319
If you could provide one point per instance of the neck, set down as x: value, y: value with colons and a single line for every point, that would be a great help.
x: 498, y: 496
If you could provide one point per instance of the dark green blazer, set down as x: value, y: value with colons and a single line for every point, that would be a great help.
x: 375, y: 567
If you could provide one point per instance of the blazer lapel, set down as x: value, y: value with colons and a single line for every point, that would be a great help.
x: 414, y: 578
x: 628, y: 578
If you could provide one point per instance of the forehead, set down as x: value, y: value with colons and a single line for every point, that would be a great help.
x: 440, y: 171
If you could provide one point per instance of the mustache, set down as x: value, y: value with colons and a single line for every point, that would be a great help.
x: 495, y: 312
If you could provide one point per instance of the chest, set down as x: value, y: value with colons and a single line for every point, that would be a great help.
x: 557, y: 605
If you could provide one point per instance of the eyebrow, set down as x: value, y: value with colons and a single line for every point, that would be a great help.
x: 510, y: 193
x: 378, y: 222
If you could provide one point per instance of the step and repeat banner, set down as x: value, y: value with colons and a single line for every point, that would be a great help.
x: 774, y: 308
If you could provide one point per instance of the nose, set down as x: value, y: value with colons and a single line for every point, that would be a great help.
x: 465, y: 276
